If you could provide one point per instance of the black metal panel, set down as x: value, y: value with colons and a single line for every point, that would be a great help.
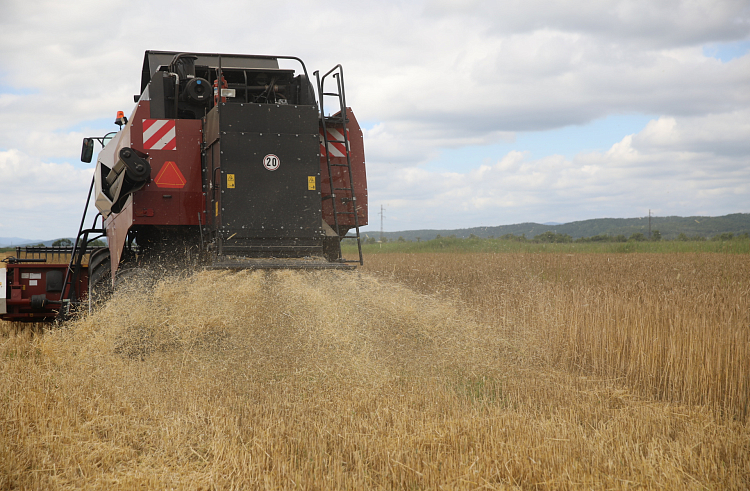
x: 161, y: 95
x: 54, y: 281
x: 277, y: 206
x: 270, y: 118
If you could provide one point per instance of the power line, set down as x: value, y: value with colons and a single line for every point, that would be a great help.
x: 382, y: 216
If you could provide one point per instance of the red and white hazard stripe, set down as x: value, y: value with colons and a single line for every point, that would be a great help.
x: 159, y: 134
x: 336, y: 149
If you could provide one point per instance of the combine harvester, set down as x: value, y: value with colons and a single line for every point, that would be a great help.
x: 227, y: 161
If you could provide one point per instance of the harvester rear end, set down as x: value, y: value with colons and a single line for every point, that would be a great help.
x: 227, y: 161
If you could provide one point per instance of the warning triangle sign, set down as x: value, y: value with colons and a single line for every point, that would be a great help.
x: 170, y: 176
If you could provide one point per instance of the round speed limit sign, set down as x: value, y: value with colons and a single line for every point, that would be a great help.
x: 271, y: 162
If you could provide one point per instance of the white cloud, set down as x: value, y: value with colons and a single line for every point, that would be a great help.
x: 722, y: 134
x: 649, y: 170
x: 39, y: 199
x: 641, y: 22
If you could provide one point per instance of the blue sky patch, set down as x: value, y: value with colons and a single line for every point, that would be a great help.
x: 6, y: 89
x: 368, y: 125
x: 727, y: 51
x: 597, y: 136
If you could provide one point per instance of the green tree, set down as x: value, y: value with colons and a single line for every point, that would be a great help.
x: 515, y: 238
x: 401, y: 239
x: 637, y: 237
x: 682, y: 237
x: 545, y: 237
x: 553, y: 238
x: 723, y: 237
x: 62, y: 243
x: 655, y: 236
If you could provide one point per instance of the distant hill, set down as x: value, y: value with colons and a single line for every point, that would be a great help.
x: 669, y: 227
x: 17, y: 241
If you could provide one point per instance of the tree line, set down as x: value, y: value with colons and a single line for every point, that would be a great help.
x: 550, y: 237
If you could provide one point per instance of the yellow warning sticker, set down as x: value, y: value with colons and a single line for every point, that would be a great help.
x: 217, y: 208
x: 311, y: 183
x: 230, y: 181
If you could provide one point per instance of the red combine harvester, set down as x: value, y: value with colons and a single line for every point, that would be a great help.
x: 227, y: 161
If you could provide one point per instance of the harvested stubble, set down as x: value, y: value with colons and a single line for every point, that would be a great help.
x: 336, y: 380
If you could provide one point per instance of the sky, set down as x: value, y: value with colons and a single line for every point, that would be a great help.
x: 474, y: 113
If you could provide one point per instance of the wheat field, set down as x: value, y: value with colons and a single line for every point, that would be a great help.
x: 424, y: 371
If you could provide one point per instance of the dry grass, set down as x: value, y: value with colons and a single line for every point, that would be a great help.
x: 674, y: 327
x: 426, y: 371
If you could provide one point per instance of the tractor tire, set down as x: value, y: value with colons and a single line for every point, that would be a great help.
x: 100, y: 279
x: 332, y: 248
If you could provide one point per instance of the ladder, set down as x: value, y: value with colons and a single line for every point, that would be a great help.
x: 346, y: 195
x: 68, y: 295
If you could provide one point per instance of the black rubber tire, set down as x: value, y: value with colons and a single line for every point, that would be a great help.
x: 100, y: 280
x: 97, y: 257
x: 332, y: 248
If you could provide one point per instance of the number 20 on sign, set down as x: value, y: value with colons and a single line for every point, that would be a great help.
x: 271, y: 162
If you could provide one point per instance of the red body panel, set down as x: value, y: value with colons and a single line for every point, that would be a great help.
x: 340, y: 177
x: 27, y: 279
x: 156, y: 204
x: 165, y: 204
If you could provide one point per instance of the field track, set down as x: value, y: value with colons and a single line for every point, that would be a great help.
x: 421, y: 371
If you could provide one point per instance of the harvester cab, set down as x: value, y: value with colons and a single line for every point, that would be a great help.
x: 227, y: 161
